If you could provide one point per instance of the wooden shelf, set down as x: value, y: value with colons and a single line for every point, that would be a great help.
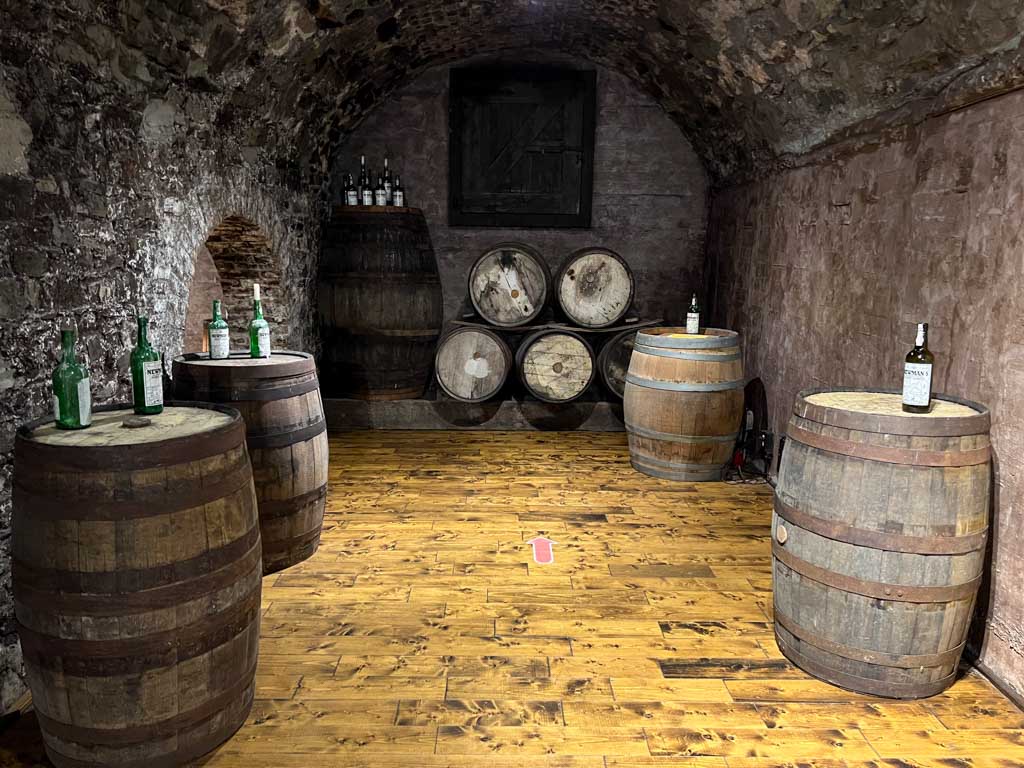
x: 348, y: 210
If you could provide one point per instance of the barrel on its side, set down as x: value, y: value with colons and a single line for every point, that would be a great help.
x: 279, y: 398
x: 136, y: 575
x: 595, y: 287
x: 380, y: 304
x: 879, y: 535
x: 555, y: 366
x: 472, y: 364
x: 613, y: 361
x: 508, y: 285
x: 683, y: 402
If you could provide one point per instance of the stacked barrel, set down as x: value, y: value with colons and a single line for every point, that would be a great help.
x: 510, y: 288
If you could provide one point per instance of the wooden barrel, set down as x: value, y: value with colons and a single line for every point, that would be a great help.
x: 595, y: 287
x: 136, y: 575
x: 508, y: 285
x: 683, y: 402
x: 613, y: 362
x: 472, y: 364
x: 555, y: 366
x: 380, y: 304
x: 279, y: 398
x: 878, y: 539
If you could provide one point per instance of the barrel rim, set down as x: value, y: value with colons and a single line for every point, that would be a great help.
x: 657, y: 337
x: 531, y: 339
x: 175, y: 450
x: 303, y: 363
x: 506, y: 352
x: 605, y: 353
x: 537, y: 257
x: 945, y: 426
x: 575, y: 256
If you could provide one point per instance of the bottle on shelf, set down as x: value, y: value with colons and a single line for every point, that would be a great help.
x: 388, y: 187
x: 366, y: 191
x: 351, y: 193
x: 917, y: 374
x: 398, y: 193
x: 217, y: 335
x: 693, y: 316
x: 380, y: 195
x: 147, y: 374
x: 259, y: 330
x: 72, y: 399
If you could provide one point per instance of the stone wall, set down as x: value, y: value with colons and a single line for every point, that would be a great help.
x: 826, y: 268
x: 649, y: 201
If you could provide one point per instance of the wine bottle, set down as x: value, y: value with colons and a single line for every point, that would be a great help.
x: 147, y: 374
x: 351, y: 193
x: 366, y: 193
x: 259, y: 330
x: 388, y: 187
x: 917, y: 374
x: 693, y: 316
x: 72, y: 399
x: 398, y: 193
x: 217, y: 335
x: 380, y: 195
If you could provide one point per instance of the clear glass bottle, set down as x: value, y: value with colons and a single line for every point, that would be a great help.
x: 380, y: 195
x: 366, y: 191
x: 398, y: 193
x: 351, y: 193
x: 217, y: 335
x: 147, y: 374
x: 693, y: 316
x: 917, y: 374
x: 72, y: 399
x: 259, y: 330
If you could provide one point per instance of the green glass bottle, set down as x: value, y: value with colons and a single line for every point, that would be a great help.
x: 217, y: 336
x: 917, y: 374
x: 72, y: 400
x: 147, y: 374
x: 693, y: 316
x: 259, y: 330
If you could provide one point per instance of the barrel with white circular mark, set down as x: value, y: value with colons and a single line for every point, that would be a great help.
x: 508, y: 285
x: 472, y: 364
x: 595, y: 287
x: 555, y: 366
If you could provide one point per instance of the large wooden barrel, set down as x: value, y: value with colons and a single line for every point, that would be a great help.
x: 508, y: 285
x: 878, y: 539
x: 683, y: 402
x: 613, y: 361
x: 279, y: 398
x: 595, y: 287
x: 136, y: 575
x: 380, y: 304
x: 472, y: 364
x: 555, y: 366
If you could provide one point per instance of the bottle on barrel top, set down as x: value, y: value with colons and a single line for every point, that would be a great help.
x: 217, y: 335
x: 380, y: 194
x: 147, y: 374
x: 72, y: 400
x: 388, y: 187
x: 259, y: 330
x: 693, y: 316
x: 398, y: 193
x: 917, y: 374
x: 351, y: 193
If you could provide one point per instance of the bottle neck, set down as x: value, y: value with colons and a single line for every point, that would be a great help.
x: 922, y: 336
x: 67, y: 344
x: 257, y: 309
x: 216, y: 311
x: 141, y: 339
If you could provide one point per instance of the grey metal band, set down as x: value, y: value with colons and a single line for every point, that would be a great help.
x: 730, y: 339
x: 662, y: 352
x: 682, y: 386
x: 707, y: 471
x: 673, y: 438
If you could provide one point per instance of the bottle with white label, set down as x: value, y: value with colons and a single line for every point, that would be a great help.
x: 147, y: 375
x: 217, y: 335
x: 72, y: 399
x: 351, y: 193
x: 693, y: 316
x: 389, y: 195
x: 259, y: 330
x: 917, y: 374
x: 398, y: 193
x: 380, y: 194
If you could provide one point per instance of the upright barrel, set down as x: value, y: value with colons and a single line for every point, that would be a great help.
x: 683, y: 402
x: 472, y: 364
x: 136, y: 575
x: 878, y: 539
x: 508, y: 285
x: 595, y: 287
x: 555, y: 366
x: 279, y: 398
x: 380, y: 303
x: 613, y: 362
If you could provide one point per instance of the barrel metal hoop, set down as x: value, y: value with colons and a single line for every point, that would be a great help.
x: 892, y: 690
x: 682, y: 386
x: 282, y: 438
x: 667, y: 471
x: 245, y: 391
x: 275, y: 508
x: 894, y: 592
x: 730, y: 339
x: 885, y: 454
x: 890, y: 542
x: 662, y: 352
x: 673, y: 438
x: 881, y: 658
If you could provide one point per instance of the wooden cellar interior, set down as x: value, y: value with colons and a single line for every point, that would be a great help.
x: 511, y: 383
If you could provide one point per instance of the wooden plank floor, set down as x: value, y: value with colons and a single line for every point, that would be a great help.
x: 422, y: 634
